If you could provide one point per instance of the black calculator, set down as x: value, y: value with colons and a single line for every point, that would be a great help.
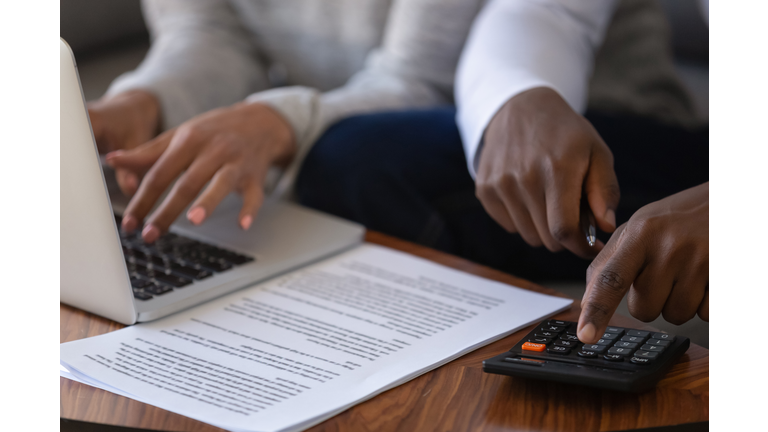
x: 623, y: 359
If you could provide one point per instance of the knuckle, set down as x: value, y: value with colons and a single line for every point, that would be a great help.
x: 560, y: 231
x: 529, y: 179
x: 507, y: 183
x: 610, y: 281
x: 598, y: 309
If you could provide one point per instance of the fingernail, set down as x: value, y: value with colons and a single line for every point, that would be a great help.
x: 196, y: 215
x: 587, y: 333
x: 610, y: 217
x: 150, y: 234
x: 246, y: 221
x: 111, y: 155
x: 129, y: 223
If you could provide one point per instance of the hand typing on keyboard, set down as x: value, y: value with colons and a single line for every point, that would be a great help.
x: 232, y: 148
x: 660, y: 258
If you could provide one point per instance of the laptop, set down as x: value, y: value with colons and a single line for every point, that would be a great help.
x: 114, y: 274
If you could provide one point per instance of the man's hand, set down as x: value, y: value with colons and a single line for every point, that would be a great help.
x: 231, y: 147
x: 538, y: 159
x: 124, y: 121
x: 661, y: 256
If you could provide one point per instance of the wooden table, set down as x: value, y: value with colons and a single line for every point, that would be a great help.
x: 456, y: 397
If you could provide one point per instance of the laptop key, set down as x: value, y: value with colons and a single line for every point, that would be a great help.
x: 157, y: 289
x: 141, y: 295
x: 187, y: 271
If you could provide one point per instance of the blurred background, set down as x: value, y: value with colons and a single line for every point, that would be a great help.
x: 109, y: 38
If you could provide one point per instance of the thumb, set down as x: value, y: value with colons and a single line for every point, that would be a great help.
x: 602, y: 189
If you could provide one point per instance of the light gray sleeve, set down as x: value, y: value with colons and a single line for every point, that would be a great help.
x: 413, y: 68
x: 200, y: 59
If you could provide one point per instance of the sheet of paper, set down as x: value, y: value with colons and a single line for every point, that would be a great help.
x: 288, y: 353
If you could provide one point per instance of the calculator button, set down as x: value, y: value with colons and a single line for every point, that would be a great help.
x: 614, y: 357
x: 663, y: 343
x: 565, y: 343
x: 595, y: 348
x: 610, y: 336
x: 630, y: 345
x: 540, y: 340
x: 640, y: 360
x: 559, y: 350
x: 558, y: 323
x: 546, y: 334
x: 587, y: 353
x: 604, y: 342
x: 652, y: 348
x: 638, y: 333
x: 620, y: 351
x: 664, y: 336
x: 647, y: 354
x: 569, y: 337
x: 530, y: 346
x: 571, y: 330
x: 551, y: 328
x: 614, y: 330
x: 632, y: 339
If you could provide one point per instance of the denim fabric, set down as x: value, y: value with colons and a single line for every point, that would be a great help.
x: 404, y: 174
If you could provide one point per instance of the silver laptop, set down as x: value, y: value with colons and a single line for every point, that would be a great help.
x: 113, y: 274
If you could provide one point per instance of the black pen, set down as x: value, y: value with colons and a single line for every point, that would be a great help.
x: 588, y: 222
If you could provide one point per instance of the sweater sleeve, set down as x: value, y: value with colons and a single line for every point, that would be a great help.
x: 414, y: 67
x: 200, y: 58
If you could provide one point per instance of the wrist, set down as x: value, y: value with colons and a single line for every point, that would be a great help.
x: 280, y: 133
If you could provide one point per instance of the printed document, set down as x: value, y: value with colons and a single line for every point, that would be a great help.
x: 291, y: 352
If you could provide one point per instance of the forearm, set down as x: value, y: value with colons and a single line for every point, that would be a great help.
x: 199, y: 59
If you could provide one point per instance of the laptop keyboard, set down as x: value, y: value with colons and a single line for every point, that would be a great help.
x: 172, y: 262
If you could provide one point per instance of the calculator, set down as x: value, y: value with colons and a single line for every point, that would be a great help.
x: 623, y: 359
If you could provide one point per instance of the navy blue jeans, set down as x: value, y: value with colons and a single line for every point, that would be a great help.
x: 405, y: 174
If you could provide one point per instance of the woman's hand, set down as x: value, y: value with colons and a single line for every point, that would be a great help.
x: 124, y: 121
x: 231, y: 147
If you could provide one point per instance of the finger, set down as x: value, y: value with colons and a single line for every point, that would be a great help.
x: 602, y: 189
x: 650, y: 290
x: 222, y: 184
x: 563, y: 197
x: 253, y: 198
x: 495, y: 207
x: 537, y: 208
x: 127, y: 181
x: 704, y: 307
x: 141, y: 158
x: 184, y: 191
x: 609, y: 277
x: 687, y: 295
x: 520, y: 216
x: 175, y: 159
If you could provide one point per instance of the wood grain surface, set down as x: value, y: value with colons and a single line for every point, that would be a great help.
x: 456, y: 397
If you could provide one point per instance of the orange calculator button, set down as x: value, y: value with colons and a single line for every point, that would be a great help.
x: 530, y: 346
